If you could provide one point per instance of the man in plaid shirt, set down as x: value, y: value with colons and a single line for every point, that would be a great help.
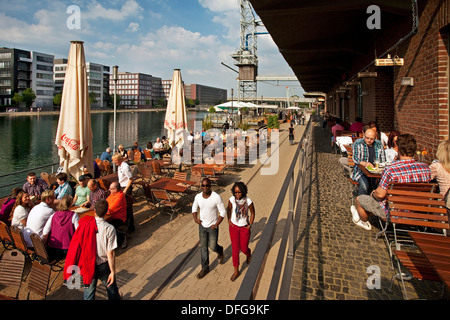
x: 405, y: 170
x: 365, y: 151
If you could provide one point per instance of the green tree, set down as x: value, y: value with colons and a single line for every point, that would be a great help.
x: 28, y: 97
x: 92, y: 98
x: 17, y: 98
x: 57, y: 99
x: 111, y: 101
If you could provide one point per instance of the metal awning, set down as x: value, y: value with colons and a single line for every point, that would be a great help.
x: 328, y: 42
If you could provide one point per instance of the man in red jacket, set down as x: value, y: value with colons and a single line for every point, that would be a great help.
x: 92, y: 249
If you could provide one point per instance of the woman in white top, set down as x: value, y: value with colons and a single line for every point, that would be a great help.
x: 21, y: 210
x: 392, y: 147
x: 441, y: 169
x: 241, y: 215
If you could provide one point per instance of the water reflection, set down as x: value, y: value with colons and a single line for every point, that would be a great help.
x: 28, y: 141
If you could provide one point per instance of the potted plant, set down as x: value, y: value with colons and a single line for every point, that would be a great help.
x: 272, y: 123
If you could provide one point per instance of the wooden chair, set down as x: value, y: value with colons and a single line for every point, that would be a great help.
x: 46, y: 177
x: 5, y: 236
x: 11, y: 271
x: 148, y: 154
x: 415, y: 211
x: 19, y: 242
x: 180, y: 176
x: 164, y: 200
x: 151, y: 201
x: 157, y: 171
x: 210, y: 173
x: 38, y: 279
x: 143, y: 177
x: 130, y: 154
x: 196, y: 176
x: 107, y: 167
x: 41, y: 256
x: 386, y: 223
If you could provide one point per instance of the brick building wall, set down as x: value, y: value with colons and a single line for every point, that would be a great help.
x: 422, y: 110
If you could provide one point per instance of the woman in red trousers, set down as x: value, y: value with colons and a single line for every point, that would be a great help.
x: 241, y: 215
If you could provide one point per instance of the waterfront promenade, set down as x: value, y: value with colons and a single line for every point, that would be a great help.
x: 331, y: 258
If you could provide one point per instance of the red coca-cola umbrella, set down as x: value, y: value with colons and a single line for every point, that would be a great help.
x: 74, y: 133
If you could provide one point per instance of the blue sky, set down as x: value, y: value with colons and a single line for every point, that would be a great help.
x: 148, y: 36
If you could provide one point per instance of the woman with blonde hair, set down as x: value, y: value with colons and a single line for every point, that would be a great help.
x: 59, y: 229
x: 440, y: 169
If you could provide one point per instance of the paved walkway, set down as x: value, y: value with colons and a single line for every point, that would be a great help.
x: 331, y: 258
x: 333, y: 255
x: 161, y: 262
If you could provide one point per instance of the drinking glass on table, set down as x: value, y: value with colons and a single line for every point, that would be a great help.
x: 377, y: 163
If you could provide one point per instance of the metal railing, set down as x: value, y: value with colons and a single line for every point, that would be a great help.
x: 293, y: 189
x: 18, y: 178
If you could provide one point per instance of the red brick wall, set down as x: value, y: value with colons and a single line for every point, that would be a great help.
x: 422, y: 110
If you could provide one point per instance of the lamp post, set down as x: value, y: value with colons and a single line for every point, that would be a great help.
x: 115, y: 77
x: 232, y: 106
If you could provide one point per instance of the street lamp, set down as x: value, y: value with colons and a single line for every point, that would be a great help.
x: 115, y: 77
x: 232, y: 115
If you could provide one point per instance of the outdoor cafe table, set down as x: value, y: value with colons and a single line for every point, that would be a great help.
x: 436, y: 248
x: 83, y: 212
x: 219, y: 168
x: 370, y: 174
x: 172, y: 185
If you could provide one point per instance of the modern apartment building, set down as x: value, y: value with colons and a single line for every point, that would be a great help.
x: 134, y: 90
x: 206, y: 95
x: 42, y: 81
x: 98, y: 81
x: 15, y: 73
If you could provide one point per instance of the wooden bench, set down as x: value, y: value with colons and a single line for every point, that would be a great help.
x: 415, y: 211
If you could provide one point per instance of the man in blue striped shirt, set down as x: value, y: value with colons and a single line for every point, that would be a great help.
x: 365, y: 151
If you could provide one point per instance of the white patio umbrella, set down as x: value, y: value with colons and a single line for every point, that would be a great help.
x: 293, y: 108
x: 74, y: 133
x: 176, y: 119
x: 231, y: 104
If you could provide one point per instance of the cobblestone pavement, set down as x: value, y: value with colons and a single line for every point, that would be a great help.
x: 332, y: 254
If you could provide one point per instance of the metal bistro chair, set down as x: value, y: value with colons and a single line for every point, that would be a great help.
x: 164, y: 200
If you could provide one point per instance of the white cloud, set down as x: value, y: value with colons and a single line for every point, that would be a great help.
x: 133, y: 27
x: 129, y: 9
x: 220, y: 5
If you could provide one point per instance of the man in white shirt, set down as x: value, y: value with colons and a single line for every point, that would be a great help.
x: 39, y: 215
x: 210, y: 204
x: 124, y: 174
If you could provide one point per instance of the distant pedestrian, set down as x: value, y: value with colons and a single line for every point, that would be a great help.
x: 291, y: 135
x: 241, y: 215
x: 212, y: 212
x: 303, y: 118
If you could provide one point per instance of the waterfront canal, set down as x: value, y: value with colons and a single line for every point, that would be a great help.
x: 29, y: 141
